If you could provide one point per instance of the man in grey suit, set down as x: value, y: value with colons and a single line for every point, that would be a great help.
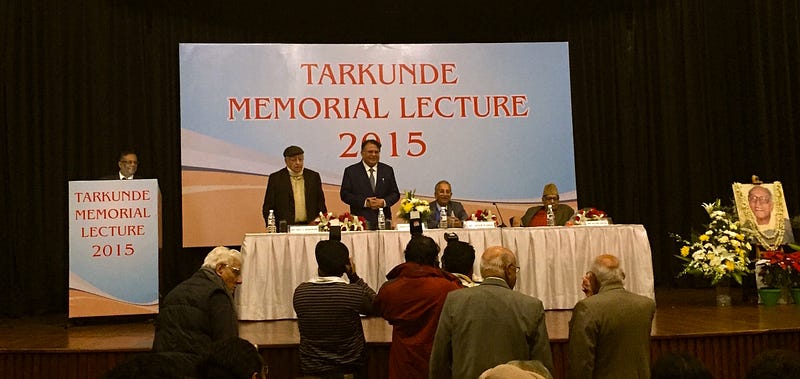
x: 454, y: 210
x: 609, y: 333
x: 484, y: 326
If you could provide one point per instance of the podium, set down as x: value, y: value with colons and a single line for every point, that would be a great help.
x: 114, y: 239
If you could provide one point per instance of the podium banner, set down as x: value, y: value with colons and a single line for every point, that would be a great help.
x: 113, y: 247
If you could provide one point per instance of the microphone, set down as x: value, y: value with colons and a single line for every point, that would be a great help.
x: 502, y: 223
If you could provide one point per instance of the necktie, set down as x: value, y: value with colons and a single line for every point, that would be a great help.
x: 372, y: 178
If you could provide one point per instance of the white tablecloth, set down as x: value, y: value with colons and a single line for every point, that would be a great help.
x: 552, y: 261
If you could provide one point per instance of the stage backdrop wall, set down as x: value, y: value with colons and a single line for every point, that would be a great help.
x: 493, y: 119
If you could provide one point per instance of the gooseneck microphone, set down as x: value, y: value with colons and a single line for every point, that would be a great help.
x: 502, y: 223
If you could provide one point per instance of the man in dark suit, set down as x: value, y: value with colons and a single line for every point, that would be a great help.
x: 455, y: 211
x: 128, y: 163
x: 609, y: 333
x: 370, y: 185
x: 294, y: 193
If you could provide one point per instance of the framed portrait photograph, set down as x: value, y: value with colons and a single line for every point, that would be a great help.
x: 762, y: 208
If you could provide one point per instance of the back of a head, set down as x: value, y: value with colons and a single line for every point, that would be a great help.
x: 146, y: 366
x: 607, y: 270
x: 231, y: 358
x: 510, y: 371
x: 332, y: 257
x: 495, y: 260
x: 422, y: 249
x: 458, y: 257
x: 679, y: 366
x: 221, y: 254
x: 775, y: 364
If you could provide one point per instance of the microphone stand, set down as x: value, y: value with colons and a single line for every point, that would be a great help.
x: 502, y: 223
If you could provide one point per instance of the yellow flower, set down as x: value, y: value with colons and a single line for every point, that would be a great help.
x: 685, y: 251
x: 407, y: 207
x: 703, y: 238
x: 729, y: 265
x: 740, y: 237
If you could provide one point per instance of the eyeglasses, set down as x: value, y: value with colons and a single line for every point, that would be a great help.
x: 516, y: 268
x: 236, y: 271
x: 129, y: 162
x: 549, y: 197
x: 759, y: 199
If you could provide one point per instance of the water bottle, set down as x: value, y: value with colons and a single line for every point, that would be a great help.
x: 551, y: 217
x: 271, y: 222
x: 381, y: 219
x: 442, y: 218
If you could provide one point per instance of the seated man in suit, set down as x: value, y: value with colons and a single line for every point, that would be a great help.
x: 294, y: 192
x: 455, y: 211
x: 537, y: 215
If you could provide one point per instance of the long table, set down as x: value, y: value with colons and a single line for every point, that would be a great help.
x: 552, y: 261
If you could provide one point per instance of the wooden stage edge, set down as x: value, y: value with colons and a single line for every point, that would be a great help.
x: 725, y: 339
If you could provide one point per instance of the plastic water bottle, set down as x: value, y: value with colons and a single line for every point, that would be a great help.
x: 381, y: 219
x: 442, y: 218
x: 551, y: 217
x: 271, y: 222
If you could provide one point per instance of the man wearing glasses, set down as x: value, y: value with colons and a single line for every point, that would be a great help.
x: 200, y: 310
x: 483, y: 326
x: 128, y: 163
x: 537, y: 215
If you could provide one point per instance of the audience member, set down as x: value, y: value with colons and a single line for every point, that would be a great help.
x: 537, y: 215
x: 411, y: 301
x: 609, y: 333
x: 679, y: 366
x: 328, y: 311
x: 490, y: 324
x: 200, y: 310
x: 517, y: 370
x: 128, y: 164
x: 454, y: 210
x: 294, y: 192
x: 458, y: 259
x: 775, y: 364
x: 370, y: 185
x: 232, y: 358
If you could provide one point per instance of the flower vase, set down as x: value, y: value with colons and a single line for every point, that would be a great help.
x: 723, y: 290
x: 796, y: 295
x: 769, y: 296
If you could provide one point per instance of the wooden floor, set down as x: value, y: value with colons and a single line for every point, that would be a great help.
x: 687, y: 320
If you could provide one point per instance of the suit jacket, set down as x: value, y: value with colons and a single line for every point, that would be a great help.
x: 356, y: 188
x: 280, y: 198
x: 609, y: 335
x: 454, y: 208
x: 563, y: 213
x: 484, y: 326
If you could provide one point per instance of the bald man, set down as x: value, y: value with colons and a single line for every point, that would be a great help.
x: 484, y: 326
x: 609, y: 333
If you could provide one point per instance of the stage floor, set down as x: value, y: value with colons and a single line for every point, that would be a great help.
x: 686, y: 320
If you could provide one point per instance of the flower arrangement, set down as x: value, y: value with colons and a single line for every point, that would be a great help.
x: 779, y: 269
x: 588, y: 214
x: 323, y: 221
x: 352, y: 222
x: 483, y: 215
x: 721, y: 251
x: 411, y: 203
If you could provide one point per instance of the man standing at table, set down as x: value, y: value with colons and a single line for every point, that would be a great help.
x: 370, y: 185
x: 294, y: 192
x: 454, y: 210
x: 609, y: 333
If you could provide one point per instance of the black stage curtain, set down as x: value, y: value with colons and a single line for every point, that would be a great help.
x: 672, y: 101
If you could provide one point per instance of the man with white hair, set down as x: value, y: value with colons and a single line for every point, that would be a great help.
x: 200, y: 310
x: 484, y: 326
x: 609, y: 333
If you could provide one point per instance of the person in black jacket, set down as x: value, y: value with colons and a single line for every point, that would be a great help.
x: 200, y: 310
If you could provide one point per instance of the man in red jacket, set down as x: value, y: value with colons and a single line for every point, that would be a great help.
x: 411, y: 301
